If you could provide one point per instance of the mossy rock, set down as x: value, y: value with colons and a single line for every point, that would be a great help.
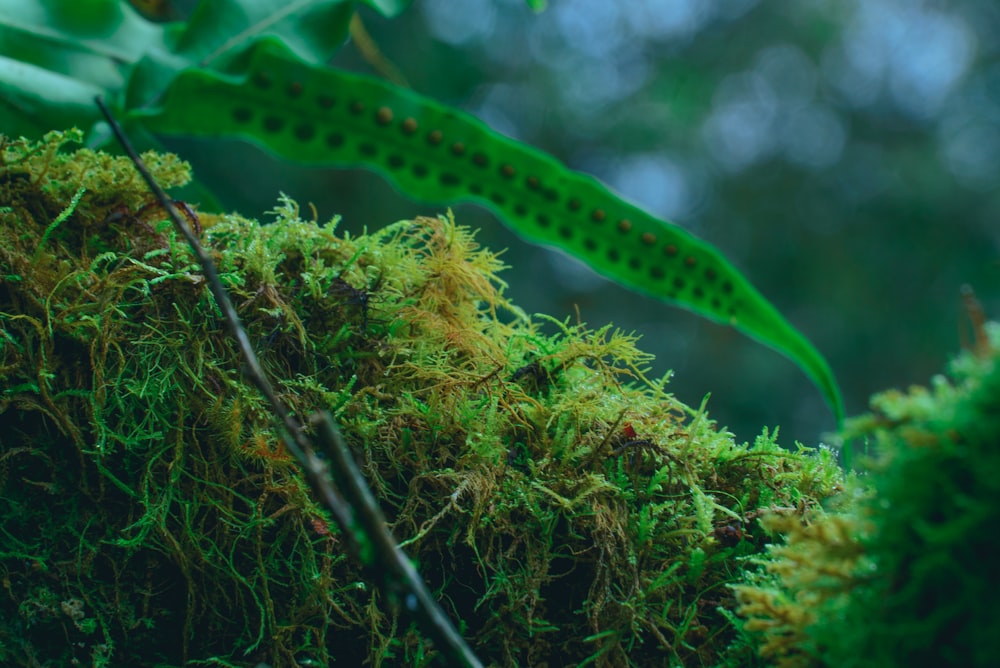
x: 564, y: 508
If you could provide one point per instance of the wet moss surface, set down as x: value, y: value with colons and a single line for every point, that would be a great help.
x: 899, y: 571
x: 562, y: 505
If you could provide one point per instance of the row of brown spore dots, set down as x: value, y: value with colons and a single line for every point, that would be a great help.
x: 383, y: 117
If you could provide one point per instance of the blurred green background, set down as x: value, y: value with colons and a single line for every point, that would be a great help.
x: 844, y: 154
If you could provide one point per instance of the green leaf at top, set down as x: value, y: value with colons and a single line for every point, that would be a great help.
x: 312, y: 29
x: 34, y: 100
x: 57, y: 53
x: 318, y: 115
x: 108, y: 29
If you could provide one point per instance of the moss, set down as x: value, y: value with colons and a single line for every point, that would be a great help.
x: 564, y: 507
x: 904, y: 575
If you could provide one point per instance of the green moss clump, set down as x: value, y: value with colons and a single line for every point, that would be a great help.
x: 564, y: 508
x: 904, y: 577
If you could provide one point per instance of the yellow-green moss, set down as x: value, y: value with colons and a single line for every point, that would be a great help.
x: 563, y: 506
x: 904, y: 575
x: 811, y: 571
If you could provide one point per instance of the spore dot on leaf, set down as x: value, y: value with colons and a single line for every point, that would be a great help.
x: 273, y: 123
x: 304, y: 131
x: 262, y: 80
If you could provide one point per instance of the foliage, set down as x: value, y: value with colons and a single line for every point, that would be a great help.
x: 257, y: 72
x: 902, y: 578
x: 856, y: 183
x: 562, y: 505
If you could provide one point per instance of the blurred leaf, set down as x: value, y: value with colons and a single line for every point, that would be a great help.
x: 58, y: 55
x: 106, y: 28
x: 313, y: 29
x: 34, y: 100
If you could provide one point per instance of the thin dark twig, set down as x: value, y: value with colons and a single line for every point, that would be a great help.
x: 346, y: 495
